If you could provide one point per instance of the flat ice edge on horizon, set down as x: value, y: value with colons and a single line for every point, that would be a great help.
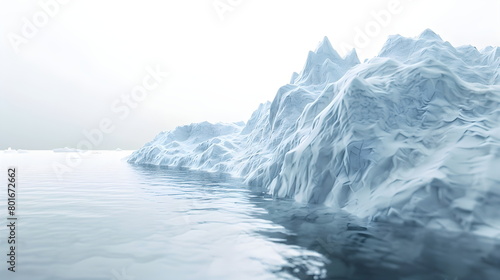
x: 412, y: 135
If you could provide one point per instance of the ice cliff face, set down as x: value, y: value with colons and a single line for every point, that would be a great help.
x: 412, y: 134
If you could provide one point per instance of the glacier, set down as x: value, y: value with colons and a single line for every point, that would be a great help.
x: 409, y: 136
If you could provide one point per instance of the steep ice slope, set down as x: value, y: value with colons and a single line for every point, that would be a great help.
x: 247, y: 150
x: 412, y: 134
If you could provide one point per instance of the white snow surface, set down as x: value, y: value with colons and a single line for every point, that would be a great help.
x: 412, y: 135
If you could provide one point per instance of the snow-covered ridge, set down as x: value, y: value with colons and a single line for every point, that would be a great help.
x: 412, y: 134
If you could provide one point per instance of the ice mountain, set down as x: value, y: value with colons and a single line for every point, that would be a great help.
x: 410, y: 135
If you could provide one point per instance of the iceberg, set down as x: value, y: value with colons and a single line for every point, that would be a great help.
x: 409, y: 136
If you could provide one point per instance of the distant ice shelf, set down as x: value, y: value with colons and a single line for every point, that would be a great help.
x: 66, y: 150
x: 412, y: 135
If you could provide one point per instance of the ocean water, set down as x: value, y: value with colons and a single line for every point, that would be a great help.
x: 108, y: 220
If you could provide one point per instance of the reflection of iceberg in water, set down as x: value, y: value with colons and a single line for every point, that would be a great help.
x: 381, y: 250
x: 346, y: 248
x: 412, y: 135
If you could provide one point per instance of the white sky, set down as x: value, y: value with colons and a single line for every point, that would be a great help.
x: 65, y: 78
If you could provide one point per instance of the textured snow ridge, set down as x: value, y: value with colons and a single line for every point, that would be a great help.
x: 410, y: 135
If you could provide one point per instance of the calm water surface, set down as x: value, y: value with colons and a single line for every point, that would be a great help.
x: 107, y: 219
